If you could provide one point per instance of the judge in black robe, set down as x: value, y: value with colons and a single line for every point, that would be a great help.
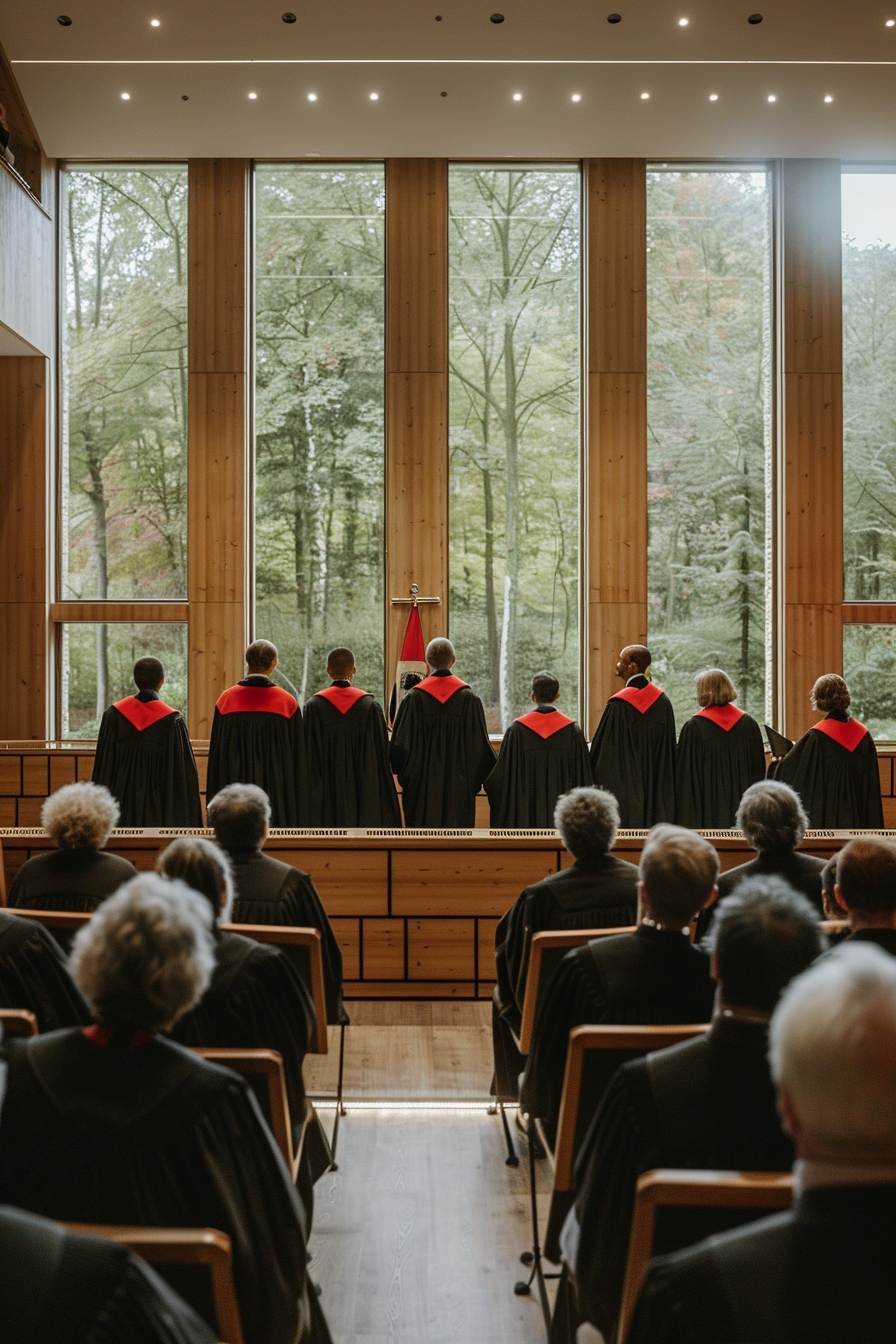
x: 115, y: 1124
x: 708, y: 1103
x: 257, y: 738
x: 33, y: 975
x: 268, y: 891
x: 833, y: 767
x: 633, y: 750
x: 440, y: 748
x: 144, y: 756
x: 719, y: 755
x: 543, y: 755
x: 62, y: 1287
x: 599, y: 891
x: 654, y: 976
x: 78, y: 875
x: 350, y: 780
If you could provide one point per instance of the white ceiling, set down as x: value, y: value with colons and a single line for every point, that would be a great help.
x: 218, y: 52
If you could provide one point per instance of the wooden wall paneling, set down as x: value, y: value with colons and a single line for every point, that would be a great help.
x: 7, y: 811
x: 348, y: 936
x: 63, y: 770
x: 219, y: 449
x: 464, y: 882
x: 441, y: 949
x: 36, y: 776
x: 616, y: 535
x: 119, y: 611
x: 349, y: 881
x: 10, y: 775
x: 416, y: 394
x: 813, y: 431
x: 384, y: 949
x: 485, y: 937
x: 871, y: 613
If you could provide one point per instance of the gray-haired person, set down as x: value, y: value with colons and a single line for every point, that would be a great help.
x: 118, y: 1125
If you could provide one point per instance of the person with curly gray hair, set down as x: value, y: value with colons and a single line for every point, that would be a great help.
x: 719, y: 755
x: 78, y: 874
x: 116, y: 1124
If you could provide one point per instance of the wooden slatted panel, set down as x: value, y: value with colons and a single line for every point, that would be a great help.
x: 441, y: 949
x: 474, y: 882
x: 350, y: 881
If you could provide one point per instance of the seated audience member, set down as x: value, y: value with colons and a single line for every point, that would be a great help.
x: 266, y: 890
x: 599, y: 891
x: 653, y: 976
x: 33, y: 975
x: 77, y: 875
x: 256, y: 999
x: 67, y: 1288
x: 720, y: 754
x: 865, y: 891
x: 774, y: 822
x: 832, y: 909
x: 833, y: 1054
x: 115, y: 1124
x: 707, y: 1103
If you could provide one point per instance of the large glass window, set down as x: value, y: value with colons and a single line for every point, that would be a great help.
x: 869, y: 666
x: 85, y: 697
x: 514, y: 249
x: 319, y: 433
x: 709, y: 430
x: 869, y: 370
x: 124, y: 384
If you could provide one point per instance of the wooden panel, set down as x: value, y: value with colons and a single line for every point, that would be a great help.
x: 28, y: 811
x: 217, y: 645
x: 869, y: 613
x: 218, y: 239
x: 7, y: 811
x: 118, y: 611
x: 85, y: 766
x: 812, y: 645
x: 27, y: 268
x: 617, y: 265
x: 810, y: 207
x: 63, y: 770
x: 486, y: 937
x: 217, y: 504
x: 617, y: 487
x: 23, y: 680
x: 348, y: 936
x: 885, y: 768
x: 383, y: 949
x: 482, y: 817
x: 442, y: 882
x: 441, y: 949
x: 416, y: 265
x: 813, y: 486
x: 23, y: 480
x: 409, y: 989
x: 889, y: 813
x: 36, y: 776
x: 611, y: 627
x: 349, y: 881
x: 11, y: 775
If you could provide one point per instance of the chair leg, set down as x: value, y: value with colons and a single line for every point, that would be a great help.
x: 523, y: 1287
x: 340, y: 1106
x: 512, y: 1159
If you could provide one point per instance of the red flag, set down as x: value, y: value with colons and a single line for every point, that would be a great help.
x: 411, y: 663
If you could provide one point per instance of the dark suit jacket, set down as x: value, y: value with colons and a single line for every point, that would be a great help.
x: 802, y: 871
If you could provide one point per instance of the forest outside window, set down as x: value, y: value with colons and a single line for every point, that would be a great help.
x: 514, y: 255
x: 869, y: 666
x: 83, y: 700
x: 709, y: 431
x: 319, y: 418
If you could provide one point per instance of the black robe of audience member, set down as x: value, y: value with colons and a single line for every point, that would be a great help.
x: 60, y: 1287
x: 543, y: 754
x: 350, y: 780
x: 633, y: 754
x: 883, y: 938
x: 145, y: 759
x: 834, y: 770
x: 150, y: 1134
x: 596, y: 892
x: 708, y: 1103
x: 69, y: 879
x: 257, y: 738
x: 801, y: 871
x: 775, y: 1280
x: 652, y: 977
x: 33, y: 975
x: 270, y: 892
x: 719, y: 755
x: 440, y: 751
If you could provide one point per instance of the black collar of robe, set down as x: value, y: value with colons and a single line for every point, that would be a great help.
x: 145, y: 696
x: 542, y: 709
x: 441, y: 672
x: 739, y: 1033
x: 256, y: 680
x: 340, y: 681
x: 661, y: 935
x: 638, y: 682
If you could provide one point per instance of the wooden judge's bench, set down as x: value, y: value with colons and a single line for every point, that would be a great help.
x: 414, y: 911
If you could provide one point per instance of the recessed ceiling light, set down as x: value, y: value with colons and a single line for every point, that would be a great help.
x: 374, y: 97
x: 828, y: 98
x: 890, y: 22
x: 517, y: 97
x: 253, y: 96
x: 289, y: 18
x: 755, y: 18
x: 126, y: 97
x: 577, y: 97
x: 773, y: 97
x: 497, y: 18
x: 154, y: 23
x: 713, y: 97
x: 312, y: 97
x: 683, y: 23
x: 614, y: 18
x: 645, y: 95
x: 64, y: 21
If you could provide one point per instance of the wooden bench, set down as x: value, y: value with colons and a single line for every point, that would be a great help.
x: 18, y: 1022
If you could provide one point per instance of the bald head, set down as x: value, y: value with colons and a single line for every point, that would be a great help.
x: 439, y: 653
x: 634, y: 660
x: 261, y: 657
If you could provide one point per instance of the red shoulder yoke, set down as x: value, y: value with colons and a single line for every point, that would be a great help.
x: 257, y: 700
x: 545, y: 725
x: 847, y: 735
x: 143, y: 713
x: 342, y: 697
x: 639, y: 697
x: 726, y: 716
x: 440, y: 688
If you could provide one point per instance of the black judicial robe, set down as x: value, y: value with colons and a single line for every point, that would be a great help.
x: 778, y: 1281
x: 802, y: 871
x: 153, y: 1135
x: 633, y: 754
x: 441, y: 752
x: 652, y: 977
x: 347, y: 751
x: 543, y: 754
x: 257, y: 738
x: 708, y: 1103
x: 833, y: 768
x: 271, y: 892
x: 60, y: 1287
x: 597, y: 892
x: 33, y: 975
x: 69, y: 879
x: 720, y: 754
x: 145, y: 759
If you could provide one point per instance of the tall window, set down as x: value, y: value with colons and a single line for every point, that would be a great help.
x: 81, y: 707
x: 514, y: 252
x: 869, y: 372
x: 319, y: 432
x: 709, y: 430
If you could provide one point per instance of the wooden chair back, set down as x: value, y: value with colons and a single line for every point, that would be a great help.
x: 265, y: 1068
x: 304, y: 948
x: 692, y: 1189
x: 18, y: 1022
x: 546, y: 951
x: 184, y: 1246
x: 66, y: 921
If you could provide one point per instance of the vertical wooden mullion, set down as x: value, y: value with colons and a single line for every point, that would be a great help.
x: 616, y: 504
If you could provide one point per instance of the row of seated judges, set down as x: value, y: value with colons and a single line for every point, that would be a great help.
x: 794, y: 1068
x: 332, y: 763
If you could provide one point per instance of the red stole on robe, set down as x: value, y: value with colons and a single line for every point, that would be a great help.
x: 440, y: 688
x: 545, y: 725
x: 640, y: 697
x: 257, y: 700
x: 726, y: 716
x: 143, y: 713
x: 847, y: 735
x: 342, y: 697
